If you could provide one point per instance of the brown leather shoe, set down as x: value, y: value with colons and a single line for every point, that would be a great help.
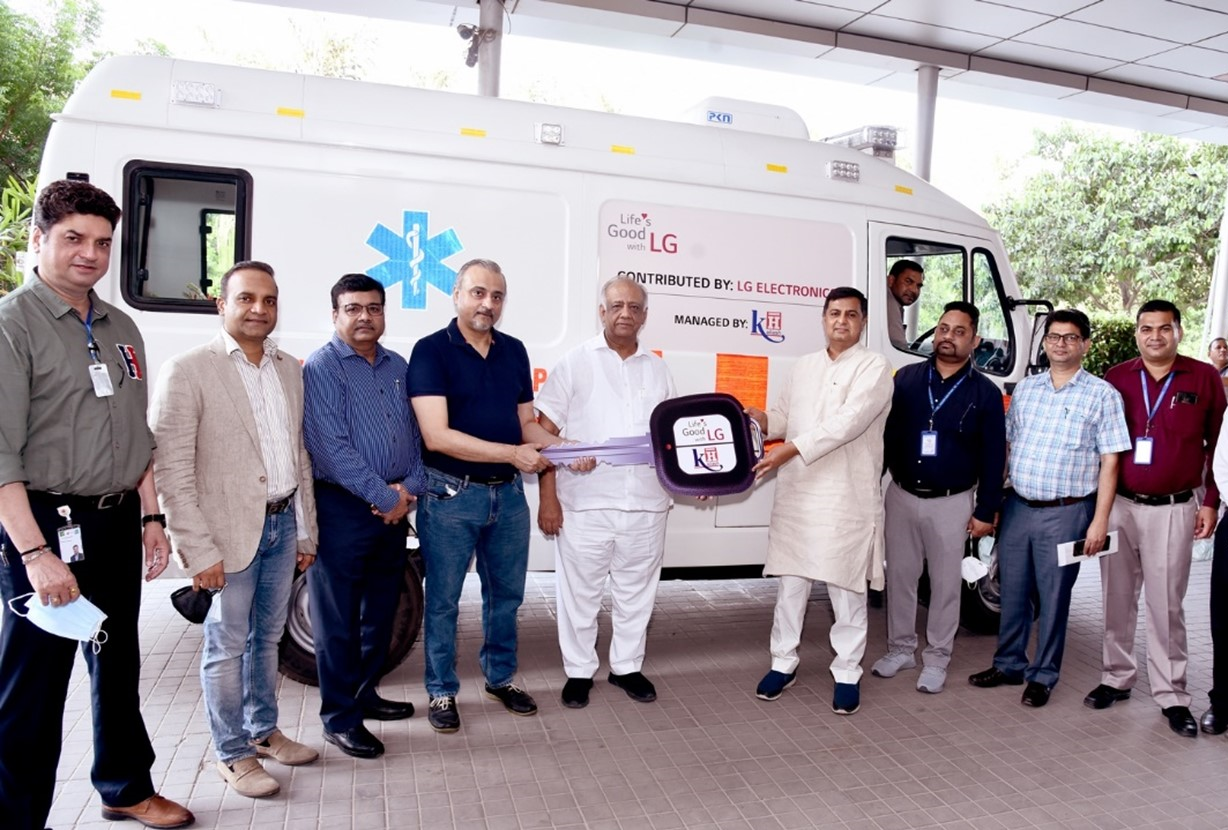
x: 154, y: 811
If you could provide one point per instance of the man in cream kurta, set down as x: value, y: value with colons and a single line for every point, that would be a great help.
x: 827, y: 520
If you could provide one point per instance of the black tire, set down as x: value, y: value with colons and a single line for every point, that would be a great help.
x: 980, y: 607
x: 297, y: 656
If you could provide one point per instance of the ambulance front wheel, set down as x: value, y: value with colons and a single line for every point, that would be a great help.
x: 297, y: 655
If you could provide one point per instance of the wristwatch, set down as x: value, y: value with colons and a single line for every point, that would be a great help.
x: 160, y: 518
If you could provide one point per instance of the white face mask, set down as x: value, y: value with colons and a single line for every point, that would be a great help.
x: 972, y: 569
x: 79, y: 620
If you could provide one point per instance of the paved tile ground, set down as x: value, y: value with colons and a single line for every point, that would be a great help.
x: 707, y: 753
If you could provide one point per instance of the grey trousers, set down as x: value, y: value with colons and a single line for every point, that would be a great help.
x: 919, y: 531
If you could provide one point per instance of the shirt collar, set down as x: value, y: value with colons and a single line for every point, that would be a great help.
x: 597, y: 343
x: 346, y: 350
x: 232, y: 345
x: 963, y: 370
x: 56, y: 304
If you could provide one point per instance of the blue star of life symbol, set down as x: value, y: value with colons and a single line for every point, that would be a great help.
x: 415, y: 258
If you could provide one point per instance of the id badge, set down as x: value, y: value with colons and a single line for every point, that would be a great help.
x: 1142, y: 451
x: 929, y: 443
x: 101, y: 380
x: 72, y: 549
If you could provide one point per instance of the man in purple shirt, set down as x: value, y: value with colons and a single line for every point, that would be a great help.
x: 1174, y: 406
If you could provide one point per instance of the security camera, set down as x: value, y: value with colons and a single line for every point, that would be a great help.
x: 471, y: 58
x: 466, y: 31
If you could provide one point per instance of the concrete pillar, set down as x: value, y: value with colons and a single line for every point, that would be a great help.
x: 927, y: 94
x: 490, y: 20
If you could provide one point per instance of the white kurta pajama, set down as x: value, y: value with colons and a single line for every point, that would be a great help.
x: 613, y: 516
x: 827, y: 518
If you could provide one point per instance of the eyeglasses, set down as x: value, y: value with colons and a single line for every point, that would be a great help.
x: 356, y: 309
x: 1068, y: 339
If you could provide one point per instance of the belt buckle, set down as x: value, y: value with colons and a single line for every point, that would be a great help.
x: 105, y: 500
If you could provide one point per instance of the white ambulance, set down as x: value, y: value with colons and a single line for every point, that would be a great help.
x: 737, y: 235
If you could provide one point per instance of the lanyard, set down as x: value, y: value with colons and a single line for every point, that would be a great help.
x: 90, y: 342
x: 1151, y: 411
x: 929, y: 388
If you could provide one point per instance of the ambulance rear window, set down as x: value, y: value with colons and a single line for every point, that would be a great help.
x: 184, y: 226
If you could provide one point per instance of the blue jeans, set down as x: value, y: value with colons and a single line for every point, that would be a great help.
x: 238, y: 669
x: 456, y: 520
x: 1033, y: 584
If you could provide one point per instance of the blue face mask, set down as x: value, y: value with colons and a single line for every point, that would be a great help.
x: 79, y: 620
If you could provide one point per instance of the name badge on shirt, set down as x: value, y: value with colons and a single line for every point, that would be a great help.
x: 929, y: 443
x: 1142, y: 450
x: 72, y: 549
x: 101, y: 380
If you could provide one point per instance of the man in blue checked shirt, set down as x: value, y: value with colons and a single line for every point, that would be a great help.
x: 1064, y: 430
x: 365, y: 452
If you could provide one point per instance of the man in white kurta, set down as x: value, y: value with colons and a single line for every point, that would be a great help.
x: 609, y: 520
x: 827, y: 519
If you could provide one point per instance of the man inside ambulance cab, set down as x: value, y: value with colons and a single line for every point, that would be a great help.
x: 904, y: 282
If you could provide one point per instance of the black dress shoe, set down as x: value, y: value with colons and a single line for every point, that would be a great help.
x: 358, y: 742
x: 1213, y: 723
x: 638, y: 687
x: 378, y: 708
x: 993, y: 677
x: 1181, y: 721
x: 516, y: 699
x: 1102, y: 697
x: 1035, y: 694
x: 575, y: 692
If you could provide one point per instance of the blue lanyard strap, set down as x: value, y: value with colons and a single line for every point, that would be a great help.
x: 929, y: 388
x: 1151, y: 411
x: 90, y: 342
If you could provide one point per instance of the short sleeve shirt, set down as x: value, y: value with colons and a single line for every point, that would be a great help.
x: 594, y: 395
x: 55, y: 432
x: 482, y: 393
x: 1057, y: 436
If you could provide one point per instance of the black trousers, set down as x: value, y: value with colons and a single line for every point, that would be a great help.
x: 35, y: 668
x: 355, y: 585
x: 1219, y: 621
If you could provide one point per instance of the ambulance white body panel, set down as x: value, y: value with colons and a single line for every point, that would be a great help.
x: 737, y: 236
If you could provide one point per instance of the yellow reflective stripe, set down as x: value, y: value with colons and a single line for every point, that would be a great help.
x: 126, y: 94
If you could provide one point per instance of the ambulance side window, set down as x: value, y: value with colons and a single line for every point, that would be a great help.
x: 943, y: 268
x: 184, y: 226
x: 996, y: 354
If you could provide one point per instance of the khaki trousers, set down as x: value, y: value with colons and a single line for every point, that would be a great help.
x: 1155, y: 548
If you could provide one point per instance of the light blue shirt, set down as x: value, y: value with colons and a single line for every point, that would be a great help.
x: 1057, y: 436
x: 358, y: 425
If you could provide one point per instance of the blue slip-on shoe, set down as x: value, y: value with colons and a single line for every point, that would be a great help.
x: 774, y: 683
x: 847, y: 698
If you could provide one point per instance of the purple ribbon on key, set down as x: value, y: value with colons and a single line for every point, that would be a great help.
x: 616, y: 451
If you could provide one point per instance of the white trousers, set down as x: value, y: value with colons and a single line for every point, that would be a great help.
x: 848, y: 632
x: 626, y: 547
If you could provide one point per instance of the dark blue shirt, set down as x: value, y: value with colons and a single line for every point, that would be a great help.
x: 483, y: 393
x: 358, y: 425
x: 971, y: 429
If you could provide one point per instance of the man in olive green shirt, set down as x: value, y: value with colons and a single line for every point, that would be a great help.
x: 75, y: 456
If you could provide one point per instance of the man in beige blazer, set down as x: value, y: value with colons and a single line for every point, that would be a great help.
x: 235, y: 482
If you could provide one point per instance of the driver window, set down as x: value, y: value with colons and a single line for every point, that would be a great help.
x: 996, y: 354
x: 943, y: 268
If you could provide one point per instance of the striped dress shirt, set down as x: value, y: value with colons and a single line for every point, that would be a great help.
x: 272, y: 415
x: 358, y: 425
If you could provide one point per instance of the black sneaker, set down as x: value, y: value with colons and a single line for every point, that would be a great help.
x: 516, y: 699
x: 442, y: 714
x: 575, y: 692
x: 638, y: 687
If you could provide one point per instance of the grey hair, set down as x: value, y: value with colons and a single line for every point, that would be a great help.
x: 488, y: 264
x: 610, y: 283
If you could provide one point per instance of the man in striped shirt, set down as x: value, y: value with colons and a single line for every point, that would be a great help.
x: 236, y: 486
x: 364, y: 445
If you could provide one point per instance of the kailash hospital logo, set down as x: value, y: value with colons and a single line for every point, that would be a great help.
x: 415, y: 257
x: 769, y: 325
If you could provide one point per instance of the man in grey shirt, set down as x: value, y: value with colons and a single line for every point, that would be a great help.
x: 74, y: 470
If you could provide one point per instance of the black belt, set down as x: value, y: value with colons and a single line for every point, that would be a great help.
x: 1156, y: 501
x: 491, y: 481
x: 928, y: 492
x: 102, y: 502
x: 280, y: 506
x: 1062, y: 502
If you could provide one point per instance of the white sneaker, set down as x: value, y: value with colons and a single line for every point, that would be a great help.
x: 932, y: 680
x: 892, y: 663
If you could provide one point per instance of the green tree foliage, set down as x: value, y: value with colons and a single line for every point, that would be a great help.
x: 1105, y: 224
x: 40, y: 69
x: 1112, y: 342
x: 16, y: 210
